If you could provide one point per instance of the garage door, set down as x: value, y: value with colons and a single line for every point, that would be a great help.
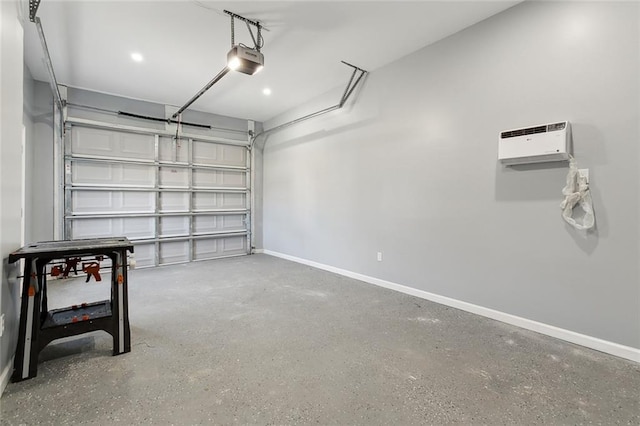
x: 177, y: 201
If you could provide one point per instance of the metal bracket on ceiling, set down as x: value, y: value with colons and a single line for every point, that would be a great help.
x: 257, y: 42
x: 33, y: 9
x: 351, y: 86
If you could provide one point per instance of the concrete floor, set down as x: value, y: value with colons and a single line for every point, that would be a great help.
x: 260, y: 340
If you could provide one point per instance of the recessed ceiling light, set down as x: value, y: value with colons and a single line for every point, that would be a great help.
x: 136, y: 57
x: 266, y: 91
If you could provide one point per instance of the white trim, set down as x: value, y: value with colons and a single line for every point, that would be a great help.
x: 260, y: 251
x: 5, y: 376
x: 612, y: 348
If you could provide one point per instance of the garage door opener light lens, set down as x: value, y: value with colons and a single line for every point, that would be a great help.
x: 245, y: 60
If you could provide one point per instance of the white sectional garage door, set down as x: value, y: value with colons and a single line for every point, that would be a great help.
x: 178, y: 201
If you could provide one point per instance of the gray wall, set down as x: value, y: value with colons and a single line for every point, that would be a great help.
x: 38, y: 108
x: 411, y: 170
x: 11, y: 131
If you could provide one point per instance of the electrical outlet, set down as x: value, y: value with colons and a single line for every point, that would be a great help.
x: 379, y: 256
x: 1, y: 324
x: 584, y: 173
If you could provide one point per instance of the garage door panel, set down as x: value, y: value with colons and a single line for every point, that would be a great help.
x: 174, y: 202
x: 211, y: 248
x: 216, y: 154
x: 205, y: 201
x: 142, y: 202
x: 92, y: 201
x: 233, y: 201
x: 174, y: 251
x: 86, y: 173
x: 233, y: 245
x: 145, y: 255
x: 136, y: 175
x: 112, y: 144
x: 92, y: 173
x: 169, y: 150
x: 233, y: 222
x: 136, y: 146
x: 99, y: 202
x: 205, y: 249
x: 92, y: 141
x: 92, y: 228
x: 219, y: 179
x: 131, y: 227
x: 234, y: 155
x: 213, y: 201
x: 233, y: 179
x: 138, y: 227
x: 217, y: 223
x: 173, y: 226
x: 174, y: 177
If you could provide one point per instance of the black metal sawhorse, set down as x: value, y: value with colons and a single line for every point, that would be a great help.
x: 39, y: 326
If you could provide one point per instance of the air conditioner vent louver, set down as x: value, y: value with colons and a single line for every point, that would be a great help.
x: 522, y: 132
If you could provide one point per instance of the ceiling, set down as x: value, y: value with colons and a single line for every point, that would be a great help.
x: 184, y: 44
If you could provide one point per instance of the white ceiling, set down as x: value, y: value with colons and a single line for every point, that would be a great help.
x: 184, y: 44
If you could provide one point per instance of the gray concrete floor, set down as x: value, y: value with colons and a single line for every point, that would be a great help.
x: 260, y: 340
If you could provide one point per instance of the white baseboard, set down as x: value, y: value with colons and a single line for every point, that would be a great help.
x: 616, y: 349
x: 6, y: 375
x: 258, y: 251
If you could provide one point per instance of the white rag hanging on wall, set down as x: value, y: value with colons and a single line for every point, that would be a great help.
x: 576, y: 192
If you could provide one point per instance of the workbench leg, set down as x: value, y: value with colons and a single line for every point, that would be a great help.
x: 26, y: 359
x: 122, y: 333
x: 41, y: 266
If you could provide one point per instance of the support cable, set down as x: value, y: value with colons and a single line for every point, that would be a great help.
x: 178, y: 128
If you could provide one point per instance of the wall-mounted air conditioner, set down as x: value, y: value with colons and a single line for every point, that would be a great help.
x: 536, y: 144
